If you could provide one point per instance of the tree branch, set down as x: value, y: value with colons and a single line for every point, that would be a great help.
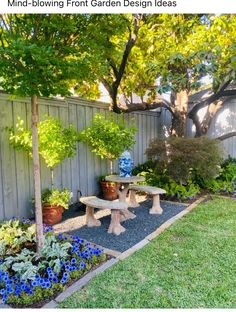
x: 227, y: 136
x: 212, y: 98
x: 128, y: 48
x: 148, y: 106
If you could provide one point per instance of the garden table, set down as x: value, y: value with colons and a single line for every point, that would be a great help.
x: 122, y: 192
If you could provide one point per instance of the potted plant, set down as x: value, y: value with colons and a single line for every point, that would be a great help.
x: 55, y: 144
x: 108, y: 137
x: 54, y: 202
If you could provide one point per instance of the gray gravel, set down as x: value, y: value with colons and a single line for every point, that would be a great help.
x: 136, y: 229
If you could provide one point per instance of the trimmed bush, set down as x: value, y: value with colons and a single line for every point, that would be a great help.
x: 182, y: 158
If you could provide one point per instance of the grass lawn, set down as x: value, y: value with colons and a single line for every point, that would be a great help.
x: 190, y: 265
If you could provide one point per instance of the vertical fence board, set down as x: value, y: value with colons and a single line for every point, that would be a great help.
x: 82, y: 152
x: 44, y: 170
x: 22, y: 164
x: 11, y: 207
x: 74, y: 162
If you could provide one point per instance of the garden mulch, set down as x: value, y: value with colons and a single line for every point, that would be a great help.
x: 136, y: 229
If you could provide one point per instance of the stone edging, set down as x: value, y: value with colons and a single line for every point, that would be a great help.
x: 84, y: 280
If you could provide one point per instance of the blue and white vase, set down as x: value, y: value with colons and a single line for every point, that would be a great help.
x: 126, y: 164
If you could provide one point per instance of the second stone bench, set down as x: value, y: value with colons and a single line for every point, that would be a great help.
x: 155, y: 192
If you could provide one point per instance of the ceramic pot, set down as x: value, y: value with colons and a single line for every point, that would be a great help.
x: 52, y: 214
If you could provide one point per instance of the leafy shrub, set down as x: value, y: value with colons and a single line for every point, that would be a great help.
x: 56, y: 197
x: 55, y: 141
x: 16, y: 234
x: 185, y: 157
x: 155, y: 177
x: 26, y: 278
x: 108, y: 137
x: 224, y: 182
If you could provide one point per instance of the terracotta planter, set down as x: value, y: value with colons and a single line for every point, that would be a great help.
x: 52, y: 214
x: 108, y: 190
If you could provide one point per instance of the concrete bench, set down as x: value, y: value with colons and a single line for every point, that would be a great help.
x: 116, y: 206
x: 151, y: 190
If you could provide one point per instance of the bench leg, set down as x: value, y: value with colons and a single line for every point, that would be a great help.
x: 90, y: 219
x: 115, y: 226
x: 132, y: 199
x: 156, y: 208
x: 125, y: 214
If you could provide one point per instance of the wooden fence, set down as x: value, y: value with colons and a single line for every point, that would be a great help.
x: 78, y: 173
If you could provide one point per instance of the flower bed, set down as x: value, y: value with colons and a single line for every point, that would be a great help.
x: 27, y: 279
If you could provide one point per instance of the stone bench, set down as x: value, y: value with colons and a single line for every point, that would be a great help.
x: 151, y: 190
x: 116, y: 206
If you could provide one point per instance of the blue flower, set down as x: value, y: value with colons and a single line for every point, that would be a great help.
x: 67, y: 267
x: 63, y: 280
x: 82, y: 265
x: 2, y: 291
x: 35, y: 283
x: 59, y: 236
x: 49, y: 269
x: 48, y: 285
x: 73, y: 261
x: 65, y: 275
x: 55, y: 280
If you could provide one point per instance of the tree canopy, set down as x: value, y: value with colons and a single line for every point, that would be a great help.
x: 149, y: 55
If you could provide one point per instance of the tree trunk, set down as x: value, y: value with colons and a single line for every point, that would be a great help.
x: 179, y: 120
x: 37, y: 180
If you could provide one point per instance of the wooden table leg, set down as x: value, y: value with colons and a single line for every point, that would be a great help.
x: 115, y: 226
x: 156, y: 208
x: 132, y: 199
x: 90, y: 219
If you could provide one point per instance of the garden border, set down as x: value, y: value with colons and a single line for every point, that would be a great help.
x: 85, y: 279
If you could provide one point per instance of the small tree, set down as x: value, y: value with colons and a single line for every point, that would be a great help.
x: 55, y: 141
x: 108, y: 138
x: 40, y: 54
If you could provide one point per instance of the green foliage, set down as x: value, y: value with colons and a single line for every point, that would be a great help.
x: 42, y: 54
x: 56, y: 197
x: 108, y: 137
x: 173, y: 188
x: 53, y: 252
x: 185, y: 157
x: 14, y: 234
x: 224, y: 182
x: 55, y: 141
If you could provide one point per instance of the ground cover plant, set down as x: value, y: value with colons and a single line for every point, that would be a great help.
x: 27, y: 278
x: 190, y: 265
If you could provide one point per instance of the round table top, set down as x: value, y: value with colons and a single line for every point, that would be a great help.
x: 118, y: 179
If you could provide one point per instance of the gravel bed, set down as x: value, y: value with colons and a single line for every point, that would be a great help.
x: 136, y: 229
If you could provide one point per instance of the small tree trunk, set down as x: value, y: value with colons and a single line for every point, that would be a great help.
x: 52, y: 178
x: 37, y: 180
x: 110, y: 166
